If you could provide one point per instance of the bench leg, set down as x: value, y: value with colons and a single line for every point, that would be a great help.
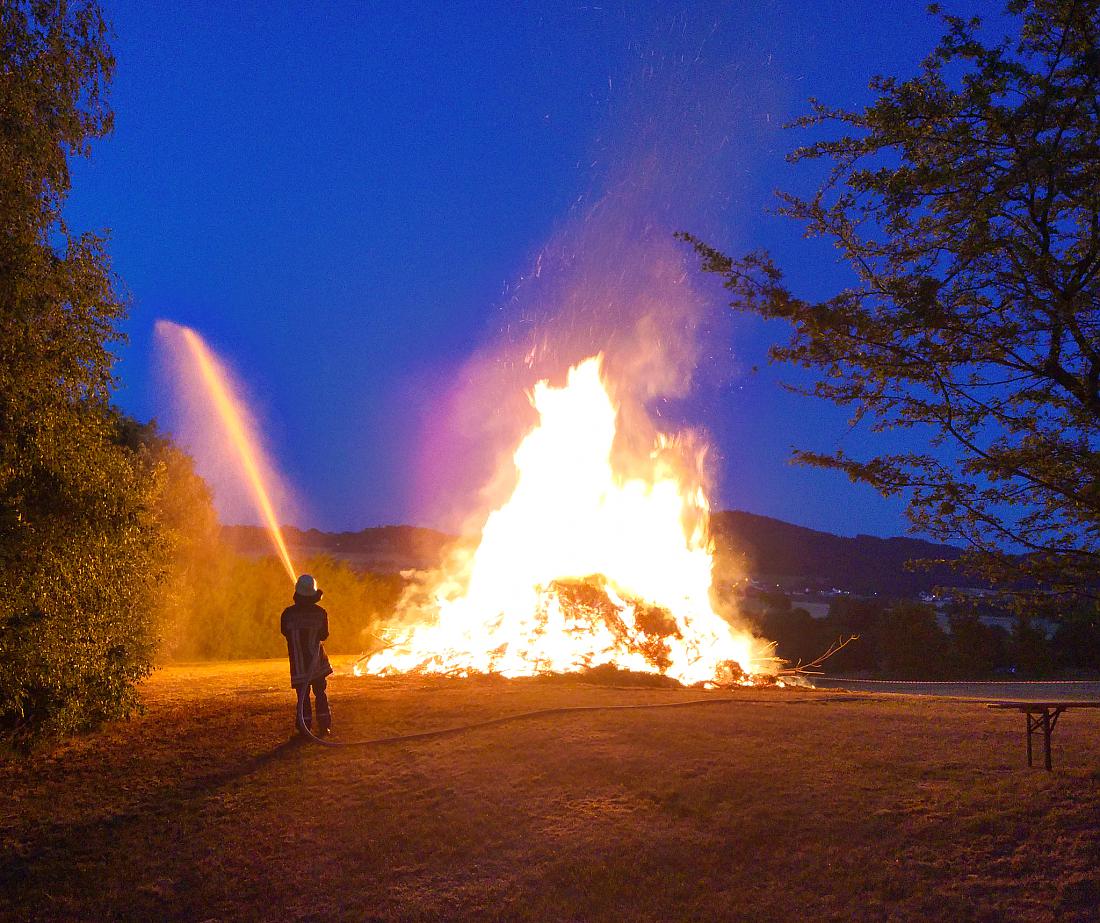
x: 1047, y: 728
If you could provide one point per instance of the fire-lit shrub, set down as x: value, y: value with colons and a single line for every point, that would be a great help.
x: 78, y: 544
x: 76, y: 590
x: 233, y: 611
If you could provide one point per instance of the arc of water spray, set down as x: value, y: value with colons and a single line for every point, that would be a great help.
x: 238, y: 437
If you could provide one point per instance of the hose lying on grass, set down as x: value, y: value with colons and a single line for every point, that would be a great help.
x: 519, y: 716
x: 799, y: 669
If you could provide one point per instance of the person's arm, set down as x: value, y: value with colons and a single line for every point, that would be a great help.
x: 282, y: 625
x: 324, y: 626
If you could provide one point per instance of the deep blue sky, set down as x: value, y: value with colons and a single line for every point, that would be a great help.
x: 340, y: 196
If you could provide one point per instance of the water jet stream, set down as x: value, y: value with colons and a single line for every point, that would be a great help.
x: 229, y: 415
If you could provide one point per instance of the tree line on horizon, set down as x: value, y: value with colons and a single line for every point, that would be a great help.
x: 965, y: 200
x: 903, y: 639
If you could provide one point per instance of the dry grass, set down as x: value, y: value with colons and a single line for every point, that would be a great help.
x: 787, y: 804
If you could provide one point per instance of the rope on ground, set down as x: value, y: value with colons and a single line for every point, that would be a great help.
x: 961, y: 682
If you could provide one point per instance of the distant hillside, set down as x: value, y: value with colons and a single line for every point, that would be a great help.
x: 764, y: 548
x: 791, y: 555
x: 381, y: 550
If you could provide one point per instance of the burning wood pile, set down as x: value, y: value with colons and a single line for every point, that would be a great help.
x: 583, y: 565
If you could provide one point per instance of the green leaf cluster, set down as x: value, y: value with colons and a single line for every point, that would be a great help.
x: 966, y: 201
x: 78, y: 556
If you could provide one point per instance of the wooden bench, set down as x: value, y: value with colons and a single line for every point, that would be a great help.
x: 1041, y: 716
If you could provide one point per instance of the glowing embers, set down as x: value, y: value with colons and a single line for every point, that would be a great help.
x: 581, y: 566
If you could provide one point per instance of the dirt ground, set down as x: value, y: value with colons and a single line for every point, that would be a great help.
x: 770, y: 804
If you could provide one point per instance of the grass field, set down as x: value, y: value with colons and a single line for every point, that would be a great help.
x: 782, y: 804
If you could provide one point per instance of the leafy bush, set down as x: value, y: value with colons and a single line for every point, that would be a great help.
x: 911, y: 643
x: 233, y: 608
x: 79, y: 558
x: 80, y: 567
x: 217, y: 603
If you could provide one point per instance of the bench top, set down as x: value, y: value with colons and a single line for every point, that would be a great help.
x: 1043, y: 706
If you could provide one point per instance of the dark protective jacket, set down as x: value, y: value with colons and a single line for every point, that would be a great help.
x: 305, y: 626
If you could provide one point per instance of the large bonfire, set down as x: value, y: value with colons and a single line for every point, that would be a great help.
x: 582, y: 566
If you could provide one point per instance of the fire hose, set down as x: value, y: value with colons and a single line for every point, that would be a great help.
x: 307, y: 731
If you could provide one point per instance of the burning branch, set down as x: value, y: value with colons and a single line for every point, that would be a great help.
x: 813, y: 668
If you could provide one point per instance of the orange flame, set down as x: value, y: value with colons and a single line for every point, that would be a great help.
x: 581, y: 566
x: 225, y: 405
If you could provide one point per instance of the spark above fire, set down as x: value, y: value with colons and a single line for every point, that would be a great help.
x: 582, y: 566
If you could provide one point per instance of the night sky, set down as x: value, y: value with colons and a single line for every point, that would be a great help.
x: 347, y: 200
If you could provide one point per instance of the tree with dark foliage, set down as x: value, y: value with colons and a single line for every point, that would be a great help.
x: 1029, y: 651
x: 977, y: 650
x: 966, y: 201
x: 860, y: 617
x: 77, y: 527
x: 911, y: 643
x: 1076, y: 643
x: 799, y: 637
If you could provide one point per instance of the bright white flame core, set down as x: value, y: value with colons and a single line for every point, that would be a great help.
x: 571, y: 517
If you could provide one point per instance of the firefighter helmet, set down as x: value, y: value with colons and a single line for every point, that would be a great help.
x: 306, y: 587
